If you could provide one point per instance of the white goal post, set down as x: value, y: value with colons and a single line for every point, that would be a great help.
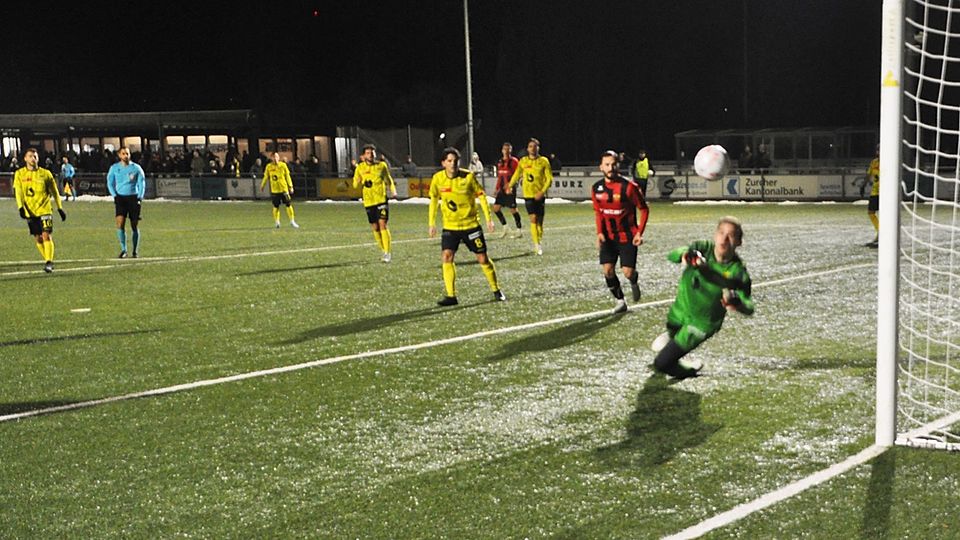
x: 918, y: 266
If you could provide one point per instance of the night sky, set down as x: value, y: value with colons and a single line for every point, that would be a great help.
x: 581, y: 79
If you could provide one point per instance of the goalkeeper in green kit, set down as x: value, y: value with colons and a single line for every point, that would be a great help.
x: 714, y: 281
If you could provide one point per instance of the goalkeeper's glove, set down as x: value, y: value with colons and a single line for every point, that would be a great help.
x: 63, y: 215
x: 693, y: 258
x: 23, y: 212
x: 730, y: 299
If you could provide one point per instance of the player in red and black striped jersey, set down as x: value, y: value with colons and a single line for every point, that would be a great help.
x: 621, y: 214
x: 505, y: 169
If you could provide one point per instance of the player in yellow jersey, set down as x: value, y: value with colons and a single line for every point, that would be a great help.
x: 537, y: 176
x: 281, y: 188
x: 873, y: 204
x: 456, y: 191
x: 374, y: 177
x: 34, y: 187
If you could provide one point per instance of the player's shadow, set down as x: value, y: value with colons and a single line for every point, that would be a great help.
x: 27, y: 406
x: 496, y: 259
x: 74, y: 337
x: 557, y: 338
x: 664, y: 422
x: 373, y: 323
x: 876, y: 512
x: 303, y: 268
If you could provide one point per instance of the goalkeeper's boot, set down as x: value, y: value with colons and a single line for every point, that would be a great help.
x: 660, y: 342
x: 635, y: 291
x: 48, y: 267
x: 448, y: 301
x: 620, y: 306
x: 691, y: 365
x: 499, y: 296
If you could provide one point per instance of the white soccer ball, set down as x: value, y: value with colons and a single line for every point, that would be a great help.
x: 712, y: 162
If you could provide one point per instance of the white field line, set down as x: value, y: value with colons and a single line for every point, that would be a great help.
x: 201, y: 258
x: 773, y: 497
x: 369, y: 354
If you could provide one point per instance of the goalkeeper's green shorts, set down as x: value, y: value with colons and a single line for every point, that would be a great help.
x: 688, y: 336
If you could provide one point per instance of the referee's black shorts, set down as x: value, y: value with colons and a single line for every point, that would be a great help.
x: 127, y: 206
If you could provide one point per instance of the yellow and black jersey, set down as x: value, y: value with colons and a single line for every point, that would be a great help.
x: 34, y: 189
x: 279, y: 177
x: 873, y: 173
x: 457, y: 197
x: 375, y: 179
x: 536, y: 174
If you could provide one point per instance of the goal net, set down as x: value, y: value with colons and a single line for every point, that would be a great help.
x: 927, y: 323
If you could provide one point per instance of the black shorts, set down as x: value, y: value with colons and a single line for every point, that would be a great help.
x: 40, y: 225
x: 534, y: 206
x: 873, y: 204
x: 127, y: 206
x: 508, y: 200
x: 473, y: 238
x: 378, y: 212
x: 610, y: 251
x: 277, y: 198
x: 643, y: 187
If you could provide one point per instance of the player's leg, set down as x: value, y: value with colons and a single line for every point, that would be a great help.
x: 48, y: 248
x: 873, y: 206
x: 373, y: 218
x: 628, y: 264
x: 608, y: 261
x: 448, y: 243
x: 683, y: 340
x: 121, y: 221
x: 134, y: 215
x: 498, y: 211
x: 478, y: 245
x: 386, y: 238
x: 275, y: 200
x: 288, y: 201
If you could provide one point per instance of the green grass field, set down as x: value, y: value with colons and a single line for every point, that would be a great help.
x: 558, y: 430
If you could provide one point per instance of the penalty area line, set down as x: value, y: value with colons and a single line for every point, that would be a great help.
x: 369, y: 354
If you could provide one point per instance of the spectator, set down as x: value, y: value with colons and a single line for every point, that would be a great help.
x: 763, y: 158
x: 256, y: 170
x: 476, y: 166
x: 555, y: 164
x: 409, y: 168
x: 197, y: 164
x: 641, y: 171
x: 745, y: 162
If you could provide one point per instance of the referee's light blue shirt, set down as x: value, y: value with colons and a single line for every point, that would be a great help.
x: 126, y: 180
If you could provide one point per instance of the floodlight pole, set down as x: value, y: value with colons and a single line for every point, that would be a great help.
x: 468, y: 155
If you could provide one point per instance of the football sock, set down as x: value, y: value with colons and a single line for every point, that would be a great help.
x: 539, y: 233
x: 876, y: 221
x: 634, y: 277
x: 613, y: 283
x: 503, y: 220
x: 491, y: 272
x: 378, y: 237
x: 48, y: 250
x: 122, y: 237
x: 276, y: 214
x: 449, y: 278
x: 386, y: 237
x: 136, y: 240
x: 42, y: 249
x: 534, y: 233
x: 516, y: 219
x: 290, y: 212
x: 668, y: 361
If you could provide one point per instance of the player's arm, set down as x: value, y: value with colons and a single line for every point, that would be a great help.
x: 514, y: 178
x: 643, y: 211
x: 484, y: 203
x: 141, y: 183
x: 357, y: 178
x: 287, y: 179
x: 597, y: 217
x: 111, y: 183
x: 548, y: 177
x: 266, y: 177
x: 18, y: 194
x: 686, y: 253
x: 432, y: 216
x: 740, y: 299
x: 390, y: 182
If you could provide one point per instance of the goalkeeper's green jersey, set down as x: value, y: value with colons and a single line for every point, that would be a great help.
x: 700, y: 290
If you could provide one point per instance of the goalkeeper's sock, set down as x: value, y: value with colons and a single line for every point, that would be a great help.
x: 876, y: 222
x: 48, y: 250
x: 613, y: 283
x: 516, y: 219
x: 122, y: 237
x: 378, y: 238
x: 503, y: 220
x: 42, y: 249
x: 289, y: 212
x: 276, y: 215
x: 491, y: 272
x: 668, y: 361
x: 450, y: 278
x: 386, y: 238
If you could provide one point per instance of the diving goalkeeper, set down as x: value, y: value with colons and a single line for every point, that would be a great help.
x: 714, y: 281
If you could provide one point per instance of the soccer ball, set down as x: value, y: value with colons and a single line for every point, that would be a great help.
x: 711, y: 162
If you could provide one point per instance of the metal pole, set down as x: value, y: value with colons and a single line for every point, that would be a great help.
x: 745, y: 81
x: 466, y: 44
x: 888, y: 260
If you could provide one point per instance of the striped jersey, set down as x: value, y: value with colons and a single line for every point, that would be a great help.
x: 617, y: 205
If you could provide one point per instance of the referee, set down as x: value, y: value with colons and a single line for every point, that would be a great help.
x: 127, y: 184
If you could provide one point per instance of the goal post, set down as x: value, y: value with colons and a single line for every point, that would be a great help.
x: 918, y: 265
